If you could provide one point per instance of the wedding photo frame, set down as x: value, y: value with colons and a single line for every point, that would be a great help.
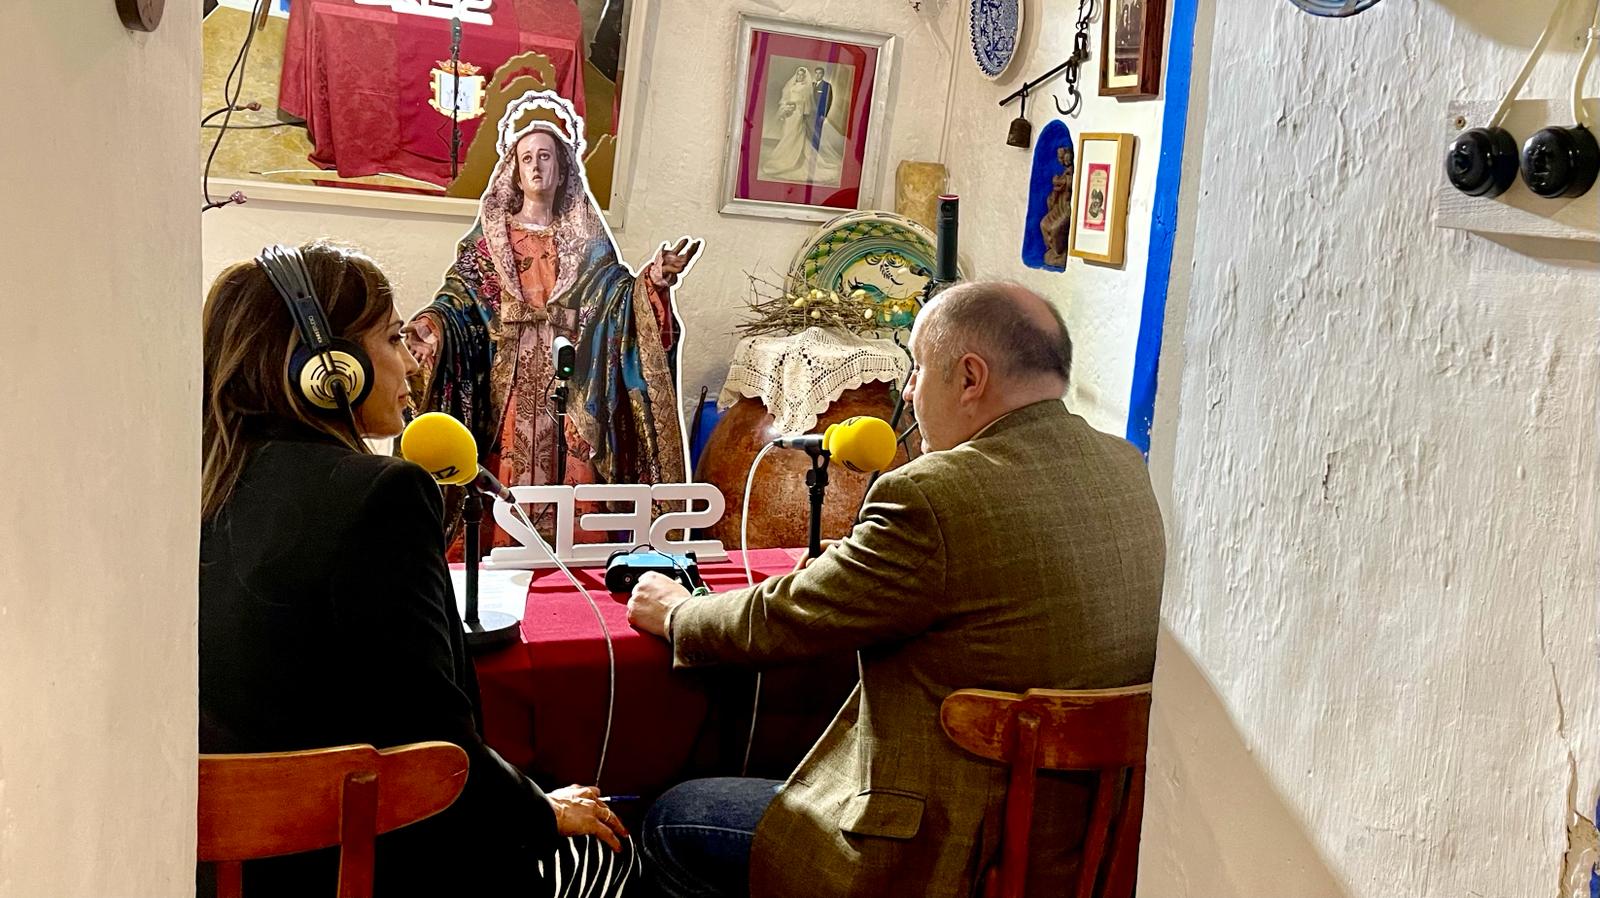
x: 1132, y: 39
x: 809, y: 119
x: 1100, y: 197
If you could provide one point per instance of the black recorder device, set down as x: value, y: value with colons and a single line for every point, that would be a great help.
x: 623, y: 569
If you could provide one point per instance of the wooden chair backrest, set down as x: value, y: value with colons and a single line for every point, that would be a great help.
x: 1101, y: 730
x: 265, y: 805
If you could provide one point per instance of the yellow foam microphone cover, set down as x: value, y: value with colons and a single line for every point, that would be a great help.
x: 862, y: 443
x: 442, y: 445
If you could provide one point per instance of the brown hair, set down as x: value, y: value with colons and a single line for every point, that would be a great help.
x: 248, y: 336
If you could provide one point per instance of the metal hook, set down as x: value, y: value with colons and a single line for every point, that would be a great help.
x: 1077, y: 100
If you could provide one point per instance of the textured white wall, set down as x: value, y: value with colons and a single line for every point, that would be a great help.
x: 1378, y: 676
x: 1100, y: 304
x: 99, y: 387
x: 413, y: 250
x: 678, y: 171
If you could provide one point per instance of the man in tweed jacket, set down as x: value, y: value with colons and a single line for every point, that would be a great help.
x: 1024, y: 550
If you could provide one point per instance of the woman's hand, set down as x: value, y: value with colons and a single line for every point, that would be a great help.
x: 580, y: 812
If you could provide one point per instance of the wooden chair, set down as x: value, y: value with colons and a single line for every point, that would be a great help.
x: 264, y: 805
x: 1102, y: 730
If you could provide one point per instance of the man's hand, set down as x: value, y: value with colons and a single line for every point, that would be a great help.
x: 805, y: 560
x: 580, y: 812
x: 653, y: 596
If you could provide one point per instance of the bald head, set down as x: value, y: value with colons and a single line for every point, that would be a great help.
x: 1015, y: 330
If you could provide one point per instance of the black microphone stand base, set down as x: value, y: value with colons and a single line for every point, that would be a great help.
x: 493, y: 630
x: 487, y: 630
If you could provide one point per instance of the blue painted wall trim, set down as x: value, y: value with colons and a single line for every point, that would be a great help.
x: 1163, y: 223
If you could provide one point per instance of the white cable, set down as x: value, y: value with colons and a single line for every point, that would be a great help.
x: 744, y: 514
x: 1539, y: 46
x: 750, y: 581
x: 1591, y: 49
x: 611, y: 654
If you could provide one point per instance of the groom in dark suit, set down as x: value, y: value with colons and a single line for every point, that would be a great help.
x: 822, y: 94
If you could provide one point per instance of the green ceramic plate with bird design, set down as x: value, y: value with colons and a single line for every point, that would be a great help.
x: 887, y: 256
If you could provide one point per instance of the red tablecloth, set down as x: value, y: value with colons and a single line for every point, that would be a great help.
x: 359, y: 76
x: 544, y: 701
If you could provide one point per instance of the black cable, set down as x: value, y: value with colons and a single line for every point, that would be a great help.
x: 221, y: 109
x: 251, y: 127
x: 230, y: 97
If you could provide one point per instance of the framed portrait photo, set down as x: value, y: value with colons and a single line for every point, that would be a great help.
x: 1100, y: 200
x: 808, y: 119
x: 1132, y: 37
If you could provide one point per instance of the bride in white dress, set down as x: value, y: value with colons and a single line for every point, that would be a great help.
x: 790, y: 159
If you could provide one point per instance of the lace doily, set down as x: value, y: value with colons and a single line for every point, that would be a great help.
x: 799, y: 376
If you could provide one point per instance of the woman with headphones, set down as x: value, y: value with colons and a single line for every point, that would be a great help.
x: 326, y: 611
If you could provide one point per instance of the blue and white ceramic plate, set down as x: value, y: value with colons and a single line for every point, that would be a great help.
x: 996, y: 28
x: 1333, y: 8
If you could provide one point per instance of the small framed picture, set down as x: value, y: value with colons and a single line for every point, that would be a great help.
x: 1132, y: 36
x: 808, y: 119
x: 1100, y: 211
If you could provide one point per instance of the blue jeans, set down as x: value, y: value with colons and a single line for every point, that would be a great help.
x: 697, y: 836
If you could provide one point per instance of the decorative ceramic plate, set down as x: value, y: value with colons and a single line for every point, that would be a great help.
x: 1334, y: 8
x: 996, y: 28
x: 887, y: 255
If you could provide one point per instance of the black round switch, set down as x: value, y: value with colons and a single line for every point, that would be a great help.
x: 1561, y: 162
x: 1482, y: 162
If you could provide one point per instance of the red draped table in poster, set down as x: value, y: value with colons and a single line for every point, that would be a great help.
x: 544, y: 701
x: 360, y: 77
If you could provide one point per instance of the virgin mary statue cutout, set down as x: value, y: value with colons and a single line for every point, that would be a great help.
x: 540, y: 264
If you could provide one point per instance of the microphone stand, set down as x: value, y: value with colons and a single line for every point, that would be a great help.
x: 559, y: 400
x: 817, y: 481
x: 455, y: 97
x: 492, y: 629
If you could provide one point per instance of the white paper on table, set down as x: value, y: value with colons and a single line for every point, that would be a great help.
x: 505, y: 591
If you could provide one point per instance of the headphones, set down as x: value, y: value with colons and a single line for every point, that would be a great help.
x: 329, y: 372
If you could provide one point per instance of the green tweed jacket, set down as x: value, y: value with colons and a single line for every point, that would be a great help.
x: 1029, y: 557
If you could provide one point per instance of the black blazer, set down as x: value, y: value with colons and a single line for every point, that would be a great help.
x: 326, y: 618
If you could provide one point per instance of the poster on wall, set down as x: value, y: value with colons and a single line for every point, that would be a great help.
x: 1100, y: 209
x: 539, y: 269
x: 808, y: 119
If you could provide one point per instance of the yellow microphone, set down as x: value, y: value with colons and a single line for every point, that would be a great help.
x: 862, y: 443
x: 445, y: 448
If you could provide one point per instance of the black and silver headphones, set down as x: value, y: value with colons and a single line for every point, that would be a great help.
x: 331, y: 373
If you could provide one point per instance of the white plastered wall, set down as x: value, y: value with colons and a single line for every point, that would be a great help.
x: 1378, y: 671
x: 1101, y: 304
x: 99, y: 393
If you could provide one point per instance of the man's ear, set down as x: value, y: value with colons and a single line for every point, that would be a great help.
x: 973, y: 371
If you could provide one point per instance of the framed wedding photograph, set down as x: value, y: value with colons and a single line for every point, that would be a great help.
x: 1100, y: 197
x: 808, y: 120
x: 1132, y: 38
